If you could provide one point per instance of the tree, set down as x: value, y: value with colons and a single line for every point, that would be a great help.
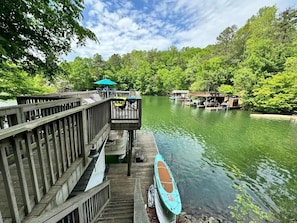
x: 98, y: 65
x: 80, y: 73
x: 15, y: 81
x: 35, y: 33
x: 225, y: 40
x: 227, y: 89
x: 114, y: 63
x: 278, y: 94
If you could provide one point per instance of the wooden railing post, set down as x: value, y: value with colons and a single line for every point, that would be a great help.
x: 21, y: 173
x: 41, y: 159
x: 85, y: 135
x: 32, y: 167
x: 20, y: 115
x: 9, y: 188
x: 1, y: 220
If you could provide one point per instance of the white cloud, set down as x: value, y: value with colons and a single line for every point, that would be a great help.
x: 124, y: 26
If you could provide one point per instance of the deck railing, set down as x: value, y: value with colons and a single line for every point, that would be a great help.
x: 140, y: 214
x: 81, y: 208
x: 13, y: 115
x: 31, y: 99
x: 125, y: 109
x: 35, y: 155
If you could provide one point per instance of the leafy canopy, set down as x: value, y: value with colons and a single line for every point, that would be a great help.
x: 14, y: 81
x: 35, y: 33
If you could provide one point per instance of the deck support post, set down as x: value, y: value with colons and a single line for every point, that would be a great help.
x: 130, y: 152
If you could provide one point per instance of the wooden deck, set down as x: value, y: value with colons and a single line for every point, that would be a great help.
x: 123, y: 185
x: 43, y: 142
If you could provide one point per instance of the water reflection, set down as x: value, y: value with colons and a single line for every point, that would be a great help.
x: 203, y: 148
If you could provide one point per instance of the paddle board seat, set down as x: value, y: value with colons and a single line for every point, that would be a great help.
x: 165, y: 178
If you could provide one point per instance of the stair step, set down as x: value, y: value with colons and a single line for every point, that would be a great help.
x: 121, y: 216
x: 119, y: 210
x: 122, y: 204
x: 117, y: 213
x: 116, y: 218
x: 113, y: 220
x: 123, y: 199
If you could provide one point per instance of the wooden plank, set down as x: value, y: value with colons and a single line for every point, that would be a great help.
x: 21, y: 174
x: 75, y: 135
x: 49, y: 155
x: 79, y: 133
x: 32, y: 167
x: 90, y: 124
x: 89, y: 210
x: 71, y: 137
x: 85, y: 135
x: 12, y: 203
x: 56, y: 149
x: 62, y: 144
x: 66, y: 137
x: 81, y: 215
x: 41, y: 160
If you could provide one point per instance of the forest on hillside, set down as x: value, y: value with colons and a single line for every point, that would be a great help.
x: 257, y: 62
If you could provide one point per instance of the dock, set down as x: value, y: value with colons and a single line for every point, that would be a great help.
x: 122, y: 186
x: 275, y: 117
x: 209, y: 109
x: 117, y: 173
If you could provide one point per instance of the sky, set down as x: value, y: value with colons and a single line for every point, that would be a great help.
x: 122, y: 26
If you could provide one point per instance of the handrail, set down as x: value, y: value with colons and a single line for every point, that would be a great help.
x: 140, y: 214
x: 84, y: 207
x: 13, y: 115
x: 29, y: 99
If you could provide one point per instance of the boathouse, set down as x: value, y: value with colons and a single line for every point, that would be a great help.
x: 179, y: 94
x: 216, y: 99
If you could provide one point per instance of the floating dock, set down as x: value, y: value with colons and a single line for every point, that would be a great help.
x: 275, y: 117
x: 209, y: 109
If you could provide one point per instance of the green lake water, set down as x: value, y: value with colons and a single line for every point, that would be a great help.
x: 209, y: 152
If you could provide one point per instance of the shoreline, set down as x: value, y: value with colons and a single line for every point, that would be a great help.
x: 185, y: 217
x: 275, y: 117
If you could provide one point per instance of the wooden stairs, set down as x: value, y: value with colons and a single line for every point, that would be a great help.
x: 118, y: 210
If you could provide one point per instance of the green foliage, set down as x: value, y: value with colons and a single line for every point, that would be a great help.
x: 62, y: 83
x: 256, y: 61
x: 36, y: 33
x: 81, y: 73
x: 227, y: 89
x: 278, y: 93
x: 14, y: 81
